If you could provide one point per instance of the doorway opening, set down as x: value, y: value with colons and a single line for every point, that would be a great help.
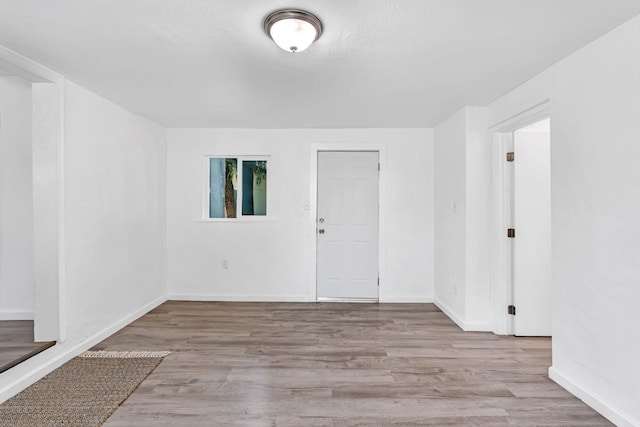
x: 42, y: 118
x: 531, y: 220
x: 521, y: 248
x: 17, y: 256
x: 347, y: 226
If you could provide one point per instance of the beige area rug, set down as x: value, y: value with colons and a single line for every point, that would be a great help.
x: 83, y: 392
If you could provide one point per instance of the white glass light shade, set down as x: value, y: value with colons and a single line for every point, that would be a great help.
x: 293, y: 30
x: 293, y: 35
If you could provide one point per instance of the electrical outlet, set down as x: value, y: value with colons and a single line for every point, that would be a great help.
x: 225, y: 264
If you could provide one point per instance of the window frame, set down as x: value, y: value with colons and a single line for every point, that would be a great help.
x: 240, y: 165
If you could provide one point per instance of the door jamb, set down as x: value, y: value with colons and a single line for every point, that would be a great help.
x: 312, y: 204
x: 501, y: 137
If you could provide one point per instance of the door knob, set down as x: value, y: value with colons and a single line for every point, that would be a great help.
x: 321, y: 231
x: 321, y: 220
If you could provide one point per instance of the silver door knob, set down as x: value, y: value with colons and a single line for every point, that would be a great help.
x: 321, y: 231
x: 321, y: 220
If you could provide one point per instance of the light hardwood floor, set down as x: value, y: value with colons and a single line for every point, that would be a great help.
x: 287, y: 364
x: 16, y: 343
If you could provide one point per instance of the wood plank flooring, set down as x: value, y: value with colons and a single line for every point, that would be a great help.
x: 16, y: 343
x: 288, y: 364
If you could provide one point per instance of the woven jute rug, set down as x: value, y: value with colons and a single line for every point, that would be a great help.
x: 83, y: 392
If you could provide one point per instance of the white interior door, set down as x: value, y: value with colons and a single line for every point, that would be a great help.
x: 347, y: 225
x: 532, y: 244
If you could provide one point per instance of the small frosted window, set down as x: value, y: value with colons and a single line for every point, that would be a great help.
x: 223, y: 178
x: 254, y: 187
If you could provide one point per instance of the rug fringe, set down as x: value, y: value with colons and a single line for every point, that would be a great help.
x: 124, y: 354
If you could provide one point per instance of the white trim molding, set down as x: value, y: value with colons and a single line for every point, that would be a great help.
x: 465, y: 326
x: 408, y: 300
x: 294, y: 298
x: 239, y: 298
x: 595, y: 401
x: 16, y: 314
x: 31, y: 71
x: 450, y: 313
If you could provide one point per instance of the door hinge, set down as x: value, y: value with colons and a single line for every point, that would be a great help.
x: 378, y: 281
x: 510, y: 156
x: 378, y: 167
x: 511, y: 310
x: 511, y: 233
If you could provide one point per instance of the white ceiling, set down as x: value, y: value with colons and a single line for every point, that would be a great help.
x: 379, y: 63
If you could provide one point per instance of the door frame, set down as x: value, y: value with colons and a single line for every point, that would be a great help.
x: 312, y: 204
x: 501, y: 137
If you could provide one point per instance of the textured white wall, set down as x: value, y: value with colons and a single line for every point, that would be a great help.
x: 450, y: 212
x: 271, y: 260
x: 16, y: 203
x: 478, y: 220
x: 114, y: 212
x: 462, y: 177
x: 595, y: 105
x: 595, y: 211
x: 114, y: 250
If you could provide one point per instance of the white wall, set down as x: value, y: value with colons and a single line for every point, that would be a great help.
x: 595, y: 211
x: 114, y: 246
x: 115, y: 206
x: 271, y: 260
x: 16, y: 204
x: 450, y: 212
x: 478, y: 217
x: 595, y: 105
x: 462, y: 188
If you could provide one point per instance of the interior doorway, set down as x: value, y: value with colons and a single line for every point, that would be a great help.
x: 17, y: 283
x: 521, y: 185
x: 45, y: 122
x: 17, y: 257
x: 531, y: 222
x: 347, y: 226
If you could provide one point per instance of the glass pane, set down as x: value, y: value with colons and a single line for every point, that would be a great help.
x: 254, y: 187
x: 222, y: 187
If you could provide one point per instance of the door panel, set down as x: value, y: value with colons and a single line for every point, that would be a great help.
x: 532, y: 245
x: 347, y: 263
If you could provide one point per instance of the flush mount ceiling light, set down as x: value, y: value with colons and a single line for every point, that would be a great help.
x: 292, y: 29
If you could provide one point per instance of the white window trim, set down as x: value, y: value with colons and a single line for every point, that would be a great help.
x: 239, y: 217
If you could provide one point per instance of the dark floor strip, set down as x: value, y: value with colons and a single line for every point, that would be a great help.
x: 40, y: 349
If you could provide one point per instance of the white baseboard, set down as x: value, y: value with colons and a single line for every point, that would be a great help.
x: 269, y: 298
x: 477, y: 327
x: 408, y: 300
x: 28, y: 372
x: 465, y: 326
x: 600, y: 405
x: 238, y: 298
x: 446, y: 310
x: 16, y: 314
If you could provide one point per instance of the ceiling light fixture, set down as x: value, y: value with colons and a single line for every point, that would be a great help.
x: 292, y: 29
